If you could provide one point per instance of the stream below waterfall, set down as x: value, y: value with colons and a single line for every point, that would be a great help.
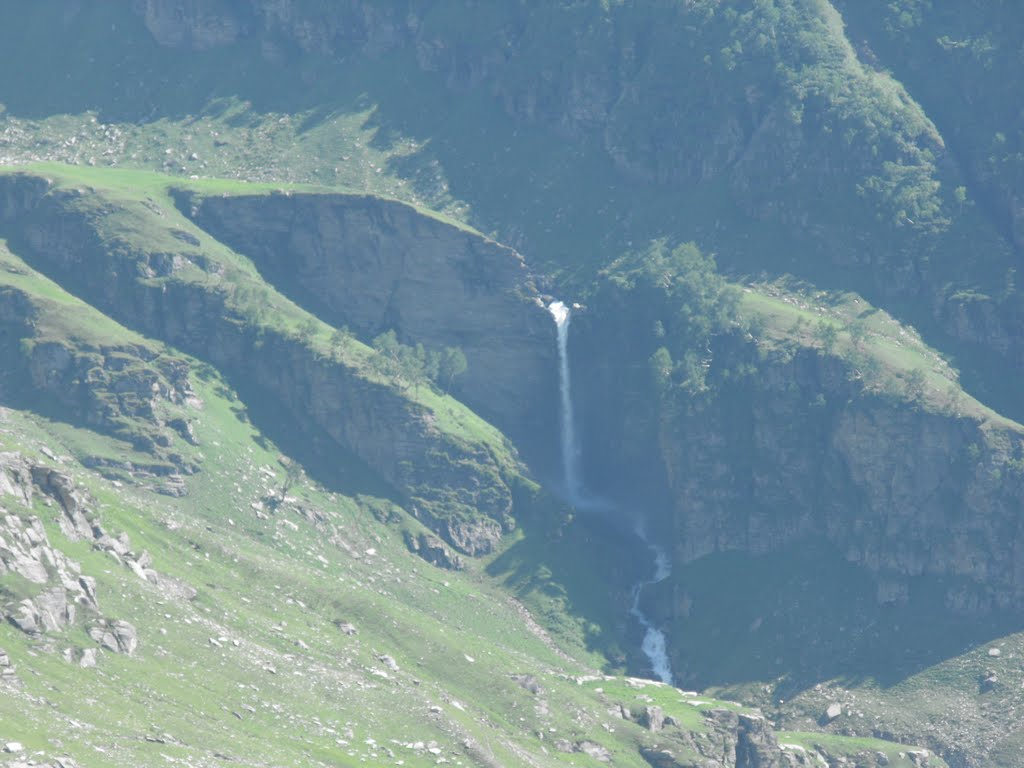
x: 654, y: 642
x: 654, y: 645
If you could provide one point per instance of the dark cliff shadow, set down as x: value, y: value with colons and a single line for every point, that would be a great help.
x: 575, y: 572
x: 327, y: 462
x: 805, y: 615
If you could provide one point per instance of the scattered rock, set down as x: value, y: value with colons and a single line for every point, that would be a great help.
x: 994, y: 652
x: 14, y: 747
x: 7, y: 670
x: 834, y: 710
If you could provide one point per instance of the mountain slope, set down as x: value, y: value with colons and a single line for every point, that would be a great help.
x: 812, y: 407
x: 229, y: 608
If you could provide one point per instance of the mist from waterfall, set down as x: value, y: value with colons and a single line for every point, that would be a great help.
x: 654, y: 644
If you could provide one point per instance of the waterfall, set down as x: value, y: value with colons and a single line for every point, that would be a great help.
x: 654, y: 643
x: 570, y: 454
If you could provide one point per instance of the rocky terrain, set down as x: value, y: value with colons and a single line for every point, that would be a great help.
x: 364, y: 417
x: 237, y: 525
x: 376, y: 265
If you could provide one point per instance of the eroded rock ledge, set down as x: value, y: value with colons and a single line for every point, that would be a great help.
x: 375, y: 264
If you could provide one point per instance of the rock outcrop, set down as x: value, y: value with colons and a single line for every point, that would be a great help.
x: 56, y: 588
x: 456, y: 486
x: 115, y: 636
x: 129, y: 391
x: 376, y: 265
x: 80, y: 521
x: 798, y: 449
x: 434, y: 551
x: 904, y: 492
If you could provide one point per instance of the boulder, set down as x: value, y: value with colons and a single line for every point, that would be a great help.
x: 653, y: 718
x: 15, y: 477
x: 26, y: 618
x: 73, y: 503
x: 596, y: 751
x: 432, y: 549
x: 989, y: 680
x: 55, y: 611
x: 118, y: 636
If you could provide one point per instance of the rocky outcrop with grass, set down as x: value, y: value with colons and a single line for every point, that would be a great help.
x: 457, y: 485
x: 769, y: 444
x: 376, y: 265
x: 132, y: 392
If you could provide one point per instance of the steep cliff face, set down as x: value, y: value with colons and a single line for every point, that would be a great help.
x: 376, y: 265
x: 789, y: 446
x: 454, y: 484
x: 901, y: 491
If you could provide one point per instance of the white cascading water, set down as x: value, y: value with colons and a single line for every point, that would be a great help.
x: 654, y: 644
x: 570, y: 457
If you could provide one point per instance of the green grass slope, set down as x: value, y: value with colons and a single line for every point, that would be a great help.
x: 286, y: 623
x: 179, y: 284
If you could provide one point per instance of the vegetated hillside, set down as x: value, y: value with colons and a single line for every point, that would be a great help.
x: 156, y: 539
x: 176, y: 589
x: 763, y: 132
x: 811, y: 460
x: 944, y: 53
x: 381, y: 438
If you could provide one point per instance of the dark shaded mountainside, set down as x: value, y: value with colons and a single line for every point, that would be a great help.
x: 841, y: 510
